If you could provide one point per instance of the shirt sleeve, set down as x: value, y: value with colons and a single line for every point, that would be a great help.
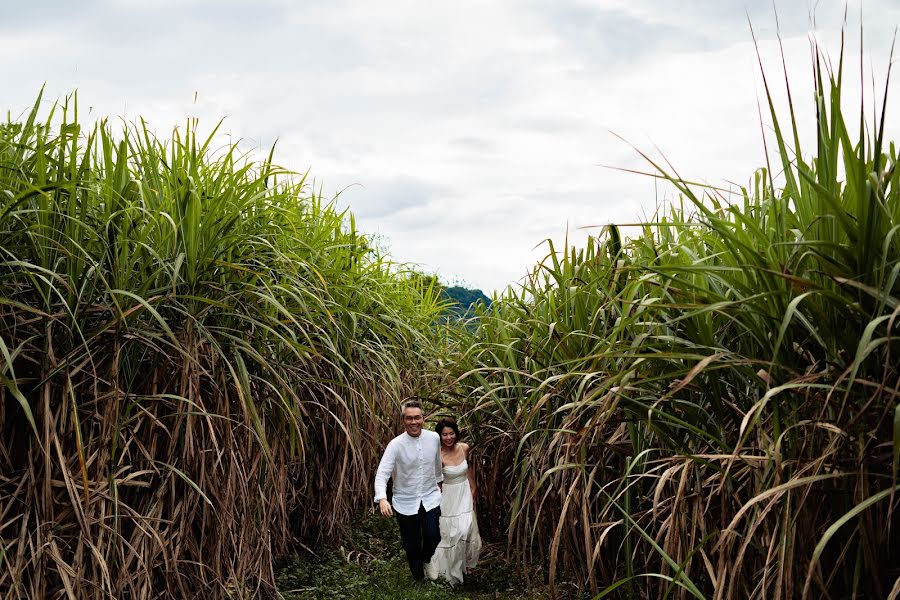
x: 385, y: 468
x: 438, y: 471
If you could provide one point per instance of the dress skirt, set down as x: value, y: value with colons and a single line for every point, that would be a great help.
x: 460, y: 542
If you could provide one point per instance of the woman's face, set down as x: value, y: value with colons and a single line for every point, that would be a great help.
x: 448, y: 437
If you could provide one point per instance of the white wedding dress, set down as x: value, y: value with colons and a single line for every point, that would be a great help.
x: 460, y: 542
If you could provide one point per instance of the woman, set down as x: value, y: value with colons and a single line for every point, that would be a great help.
x: 457, y: 553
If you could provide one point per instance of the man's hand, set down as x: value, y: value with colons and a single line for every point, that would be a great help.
x: 385, y: 507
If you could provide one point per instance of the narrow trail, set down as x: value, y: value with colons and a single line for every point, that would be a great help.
x: 370, y: 565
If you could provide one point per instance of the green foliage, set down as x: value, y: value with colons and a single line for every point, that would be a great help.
x: 195, y: 346
x: 708, y: 407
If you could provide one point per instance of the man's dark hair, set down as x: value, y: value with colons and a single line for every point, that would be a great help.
x: 448, y: 422
x: 411, y: 404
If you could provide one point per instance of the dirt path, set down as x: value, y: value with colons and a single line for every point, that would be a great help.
x: 371, y: 566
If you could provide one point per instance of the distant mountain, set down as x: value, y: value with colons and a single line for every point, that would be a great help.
x: 464, y: 300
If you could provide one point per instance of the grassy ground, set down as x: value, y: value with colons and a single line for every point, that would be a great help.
x: 371, y: 565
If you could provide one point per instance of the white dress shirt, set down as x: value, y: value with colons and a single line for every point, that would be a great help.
x: 414, y: 463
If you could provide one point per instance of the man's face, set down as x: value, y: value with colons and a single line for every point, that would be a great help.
x: 413, y: 421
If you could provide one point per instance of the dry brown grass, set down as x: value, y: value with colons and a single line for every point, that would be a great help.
x: 710, y: 408
x: 200, y: 361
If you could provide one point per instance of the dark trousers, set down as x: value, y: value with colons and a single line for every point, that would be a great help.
x: 420, y: 534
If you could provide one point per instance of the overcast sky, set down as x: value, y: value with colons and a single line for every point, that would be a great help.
x: 462, y: 133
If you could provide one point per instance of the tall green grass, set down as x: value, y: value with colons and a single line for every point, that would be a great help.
x: 200, y: 359
x: 709, y: 408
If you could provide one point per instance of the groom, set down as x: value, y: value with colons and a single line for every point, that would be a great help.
x: 413, y: 460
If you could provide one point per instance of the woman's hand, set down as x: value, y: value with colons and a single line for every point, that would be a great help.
x: 385, y: 507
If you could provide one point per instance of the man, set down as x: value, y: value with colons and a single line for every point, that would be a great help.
x: 413, y: 460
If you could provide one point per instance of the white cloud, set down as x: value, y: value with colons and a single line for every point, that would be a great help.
x: 464, y: 133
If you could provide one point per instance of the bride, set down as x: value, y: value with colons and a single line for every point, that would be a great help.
x: 457, y: 554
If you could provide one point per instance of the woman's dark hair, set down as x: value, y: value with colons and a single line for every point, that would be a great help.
x: 448, y: 422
